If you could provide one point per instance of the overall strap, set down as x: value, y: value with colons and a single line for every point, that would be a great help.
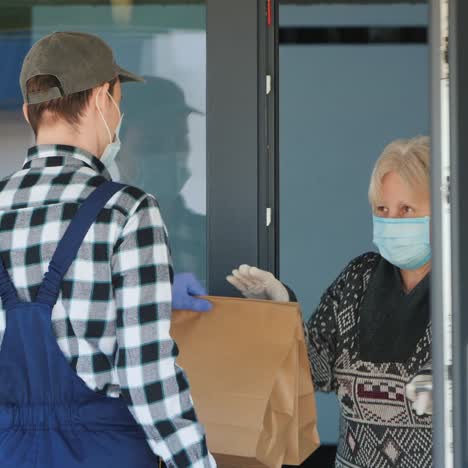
x: 71, y: 241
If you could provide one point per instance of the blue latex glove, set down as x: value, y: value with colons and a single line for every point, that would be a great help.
x: 185, y: 287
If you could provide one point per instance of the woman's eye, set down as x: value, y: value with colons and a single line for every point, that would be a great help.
x: 408, y: 209
x: 381, y: 209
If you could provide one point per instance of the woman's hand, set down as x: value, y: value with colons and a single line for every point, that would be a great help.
x: 258, y: 284
x: 419, y: 391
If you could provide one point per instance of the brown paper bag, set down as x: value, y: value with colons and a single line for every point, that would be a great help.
x: 250, y: 378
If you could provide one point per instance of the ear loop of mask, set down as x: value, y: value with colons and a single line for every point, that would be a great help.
x: 102, y: 116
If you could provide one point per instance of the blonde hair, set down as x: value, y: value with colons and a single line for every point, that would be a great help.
x: 410, y: 159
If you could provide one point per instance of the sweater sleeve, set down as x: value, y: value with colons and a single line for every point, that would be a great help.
x: 322, y: 329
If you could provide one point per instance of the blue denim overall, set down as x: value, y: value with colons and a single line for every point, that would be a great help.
x: 49, y: 418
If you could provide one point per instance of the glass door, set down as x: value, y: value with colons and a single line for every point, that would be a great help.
x: 189, y: 135
x: 164, y: 129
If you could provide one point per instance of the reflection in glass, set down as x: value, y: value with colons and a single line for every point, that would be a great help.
x: 163, y: 137
x: 155, y: 155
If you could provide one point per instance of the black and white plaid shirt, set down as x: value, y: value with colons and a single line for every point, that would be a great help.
x: 113, y: 315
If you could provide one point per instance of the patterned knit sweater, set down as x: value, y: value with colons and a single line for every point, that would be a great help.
x: 378, y: 428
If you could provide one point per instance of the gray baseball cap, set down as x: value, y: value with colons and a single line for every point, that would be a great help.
x: 79, y: 61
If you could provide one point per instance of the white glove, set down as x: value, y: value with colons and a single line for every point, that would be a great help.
x: 419, y: 391
x: 258, y: 284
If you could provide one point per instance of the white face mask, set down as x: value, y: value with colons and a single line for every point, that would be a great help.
x: 112, y: 149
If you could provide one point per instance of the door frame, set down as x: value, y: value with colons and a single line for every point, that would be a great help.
x: 241, y: 138
x: 458, y: 60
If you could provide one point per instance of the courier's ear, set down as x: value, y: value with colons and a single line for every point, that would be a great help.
x: 26, y: 112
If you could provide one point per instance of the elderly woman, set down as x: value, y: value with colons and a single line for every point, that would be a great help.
x: 371, y: 333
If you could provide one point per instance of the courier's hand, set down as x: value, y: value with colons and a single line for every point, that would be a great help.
x: 419, y: 391
x: 185, y: 287
x: 258, y: 284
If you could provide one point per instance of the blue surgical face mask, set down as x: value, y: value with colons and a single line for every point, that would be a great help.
x: 404, y: 242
